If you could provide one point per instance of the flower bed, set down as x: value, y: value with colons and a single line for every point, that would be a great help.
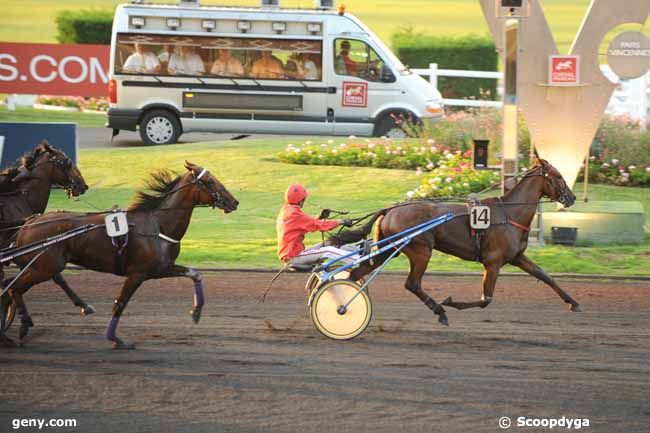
x: 444, y: 172
x: 73, y: 103
x: 454, y: 177
x: 379, y: 153
x: 613, y: 172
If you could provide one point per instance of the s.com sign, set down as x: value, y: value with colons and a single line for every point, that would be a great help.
x: 53, y: 69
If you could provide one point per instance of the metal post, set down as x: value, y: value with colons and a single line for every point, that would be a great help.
x: 645, y: 94
x: 433, y: 74
x: 586, y: 186
x: 510, y: 103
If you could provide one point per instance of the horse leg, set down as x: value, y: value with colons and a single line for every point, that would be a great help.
x: 25, y: 319
x: 368, y: 266
x: 419, y: 259
x: 490, y: 276
x: 7, y: 300
x: 131, y: 284
x: 530, y: 267
x: 194, y: 275
x: 85, y: 308
x: 21, y: 285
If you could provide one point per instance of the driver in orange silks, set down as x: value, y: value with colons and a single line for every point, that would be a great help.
x: 292, y: 224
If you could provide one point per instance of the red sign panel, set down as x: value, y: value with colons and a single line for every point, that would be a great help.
x: 54, y: 69
x: 355, y: 94
x: 564, y: 70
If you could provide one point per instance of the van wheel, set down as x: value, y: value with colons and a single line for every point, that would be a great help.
x: 387, y: 127
x: 160, y: 127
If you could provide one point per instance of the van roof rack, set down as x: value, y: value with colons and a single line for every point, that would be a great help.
x: 319, y: 6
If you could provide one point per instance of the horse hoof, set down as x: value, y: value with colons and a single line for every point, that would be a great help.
x: 447, y: 301
x: 575, y: 308
x: 442, y: 319
x: 121, y: 345
x: 87, y: 310
x: 196, y: 315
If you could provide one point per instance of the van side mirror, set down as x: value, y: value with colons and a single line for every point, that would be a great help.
x: 387, y: 75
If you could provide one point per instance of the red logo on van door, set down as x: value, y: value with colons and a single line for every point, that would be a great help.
x: 355, y: 94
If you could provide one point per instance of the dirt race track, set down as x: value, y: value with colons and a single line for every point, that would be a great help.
x: 525, y: 355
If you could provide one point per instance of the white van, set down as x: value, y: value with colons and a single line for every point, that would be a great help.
x: 178, y: 69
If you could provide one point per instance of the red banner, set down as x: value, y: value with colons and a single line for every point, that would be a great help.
x: 54, y: 69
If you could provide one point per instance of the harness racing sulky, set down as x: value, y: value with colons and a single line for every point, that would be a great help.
x: 493, y: 231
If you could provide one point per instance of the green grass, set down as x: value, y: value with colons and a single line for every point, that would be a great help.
x: 23, y: 114
x: 246, y: 238
x: 33, y: 20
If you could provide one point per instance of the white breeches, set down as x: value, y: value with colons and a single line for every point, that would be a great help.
x: 318, y: 253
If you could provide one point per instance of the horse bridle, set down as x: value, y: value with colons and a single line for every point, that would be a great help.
x: 65, y: 165
x: 550, y: 182
x: 217, y: 199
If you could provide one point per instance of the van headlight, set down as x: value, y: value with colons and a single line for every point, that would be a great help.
x: 435, y: 108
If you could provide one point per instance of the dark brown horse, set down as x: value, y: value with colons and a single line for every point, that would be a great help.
x: 504, y: 242
x: 25, y: 191
x: 157, y: 223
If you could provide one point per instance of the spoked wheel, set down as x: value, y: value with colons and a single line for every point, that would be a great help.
x: 7, y: 312
x: 330, y: 315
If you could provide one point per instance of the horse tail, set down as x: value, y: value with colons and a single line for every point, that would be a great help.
x: 351, y: 236
x: 376, y: 229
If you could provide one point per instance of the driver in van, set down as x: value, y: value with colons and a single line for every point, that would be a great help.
x: 343, y: 64
x: 292, y: 224
x: 186, y: 63
x: 141, y: 61
x: 227, y: 65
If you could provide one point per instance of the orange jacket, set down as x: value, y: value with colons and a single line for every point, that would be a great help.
x: 292, y: 224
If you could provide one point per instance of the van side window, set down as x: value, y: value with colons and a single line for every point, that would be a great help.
x: 215, y: 57
x: 357, y: 59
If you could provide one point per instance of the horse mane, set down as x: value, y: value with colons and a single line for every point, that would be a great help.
x: 158, y: 186
x: 28, y: 159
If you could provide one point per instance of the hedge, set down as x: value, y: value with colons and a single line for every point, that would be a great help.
x: 471, y: 52
x: 84, y: 26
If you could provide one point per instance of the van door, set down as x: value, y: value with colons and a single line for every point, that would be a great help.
x: 363, y: 82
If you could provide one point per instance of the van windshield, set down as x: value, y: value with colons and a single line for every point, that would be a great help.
x: 177, y: 55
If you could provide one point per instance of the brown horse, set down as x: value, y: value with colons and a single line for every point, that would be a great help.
x: 504, y: 242
x: 25, y: 191
x: 157, y: 222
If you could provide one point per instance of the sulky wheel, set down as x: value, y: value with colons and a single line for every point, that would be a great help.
x: 329, y: 315
x: 7, y: 312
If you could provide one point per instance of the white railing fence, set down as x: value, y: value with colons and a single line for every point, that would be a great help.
x: 434, y: 72
x: 631, y: 97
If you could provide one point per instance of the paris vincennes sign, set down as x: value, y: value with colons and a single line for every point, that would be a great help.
x: 54, y: 69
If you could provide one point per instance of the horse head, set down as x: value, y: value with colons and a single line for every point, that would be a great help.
x: 555, y: 186
x: 209, y: 190
x: 55, y: 165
